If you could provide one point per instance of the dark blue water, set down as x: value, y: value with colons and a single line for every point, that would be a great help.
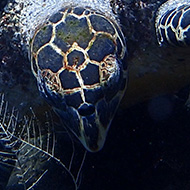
x: 145, y: 151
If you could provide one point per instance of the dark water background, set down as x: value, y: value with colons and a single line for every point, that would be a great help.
x: 147, y: 148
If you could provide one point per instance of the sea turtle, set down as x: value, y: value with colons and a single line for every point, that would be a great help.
x: 172, y: 24
x: 78, y: 58
x: 85, y: 40
x: 78, y: 55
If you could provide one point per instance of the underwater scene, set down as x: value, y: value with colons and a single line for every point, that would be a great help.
x: 94, y: 95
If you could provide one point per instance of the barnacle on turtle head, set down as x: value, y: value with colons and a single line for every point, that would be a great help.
x: 78, y: 57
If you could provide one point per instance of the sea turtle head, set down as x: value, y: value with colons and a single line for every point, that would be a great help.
x: 77, y: 58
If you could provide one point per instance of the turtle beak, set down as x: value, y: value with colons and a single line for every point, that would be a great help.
x: 90, y: 124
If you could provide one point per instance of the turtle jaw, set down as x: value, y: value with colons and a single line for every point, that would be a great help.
x: 91, y: 141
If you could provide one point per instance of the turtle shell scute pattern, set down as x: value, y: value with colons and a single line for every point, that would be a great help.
x: 77, y: 60
x: 174, y: 26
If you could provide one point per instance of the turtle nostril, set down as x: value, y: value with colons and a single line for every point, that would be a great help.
x: 86, y: 109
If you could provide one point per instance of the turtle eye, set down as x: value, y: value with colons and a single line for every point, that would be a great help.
x: 80, y: 70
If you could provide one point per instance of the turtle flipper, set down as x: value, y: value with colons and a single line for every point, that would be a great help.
x: 173, y: 23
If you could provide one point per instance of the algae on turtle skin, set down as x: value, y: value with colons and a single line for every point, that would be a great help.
x: 64, y: 36
x: 73, y: 23
x: 76, y: 33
